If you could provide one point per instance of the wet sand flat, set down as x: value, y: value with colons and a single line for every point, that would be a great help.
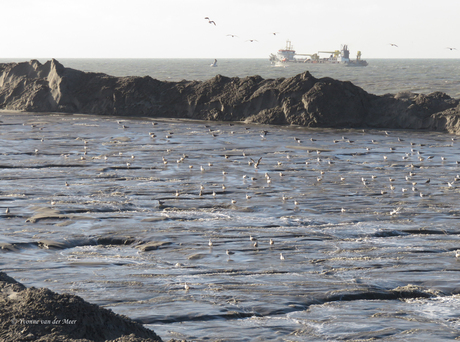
x: 169, y: 222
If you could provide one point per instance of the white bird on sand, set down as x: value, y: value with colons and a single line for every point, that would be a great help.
x: 281, y: 256
x: 395, y: 211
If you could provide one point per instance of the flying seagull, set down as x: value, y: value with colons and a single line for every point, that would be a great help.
x: 251, y: 40
x: 393, y: 45
x: 451, y: 48
x: 232, y: 35
x: 210, y: 21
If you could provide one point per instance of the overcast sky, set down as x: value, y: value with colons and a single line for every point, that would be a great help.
x: 177, y: 28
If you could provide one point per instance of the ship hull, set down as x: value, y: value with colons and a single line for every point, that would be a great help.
x: 288, y: 54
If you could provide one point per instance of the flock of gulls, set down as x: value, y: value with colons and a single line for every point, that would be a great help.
x: 212, y: 22
x: 398, y: 170
x: 246, y: 167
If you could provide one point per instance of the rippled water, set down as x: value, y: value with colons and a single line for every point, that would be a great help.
x: 93, y: 211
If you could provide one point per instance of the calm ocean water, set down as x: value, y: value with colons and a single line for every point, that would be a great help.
x: 126, y: 212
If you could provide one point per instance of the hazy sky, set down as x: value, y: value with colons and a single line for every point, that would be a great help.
x: 177, y: 28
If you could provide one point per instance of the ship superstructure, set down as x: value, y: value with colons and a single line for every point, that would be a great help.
x: 287, y: 54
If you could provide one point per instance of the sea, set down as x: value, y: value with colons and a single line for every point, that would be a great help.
x: 218, y: 231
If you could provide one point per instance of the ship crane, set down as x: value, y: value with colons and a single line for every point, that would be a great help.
x: 336, y: 53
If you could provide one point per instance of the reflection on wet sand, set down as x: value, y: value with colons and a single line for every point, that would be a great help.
x: 278, y: 230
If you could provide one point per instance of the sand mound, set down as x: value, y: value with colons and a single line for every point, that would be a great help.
x: 42, y: 315
x: 299, y: 100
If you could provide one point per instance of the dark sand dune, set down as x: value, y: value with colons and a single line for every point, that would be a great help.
x: 31, y: 314
x: 300, y: 100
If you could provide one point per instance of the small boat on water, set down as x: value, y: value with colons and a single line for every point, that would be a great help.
x: 289, y: 55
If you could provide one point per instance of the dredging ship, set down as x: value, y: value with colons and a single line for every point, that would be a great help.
x: 342, y: 56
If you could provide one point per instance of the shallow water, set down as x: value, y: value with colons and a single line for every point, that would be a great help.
x: 81, y: 223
